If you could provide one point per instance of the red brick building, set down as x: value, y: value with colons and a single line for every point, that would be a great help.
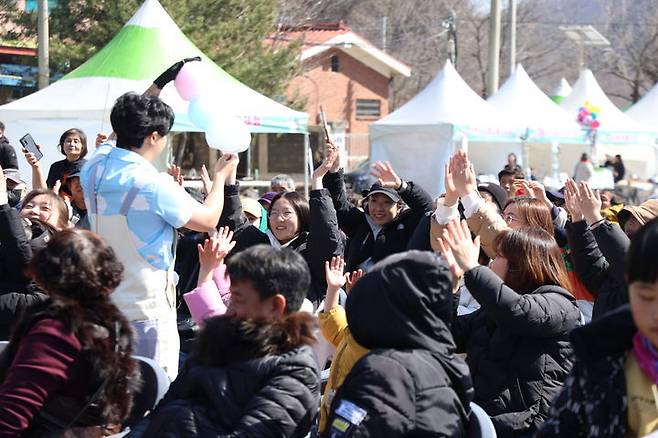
x: 346, y: 75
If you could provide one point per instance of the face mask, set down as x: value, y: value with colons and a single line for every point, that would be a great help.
x: 14, y: 197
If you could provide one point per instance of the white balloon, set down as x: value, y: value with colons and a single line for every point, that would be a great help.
x: 228, y: 133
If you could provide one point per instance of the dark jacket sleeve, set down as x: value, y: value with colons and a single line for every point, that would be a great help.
x: 384, y: 390
x: 325, y: 239
x: 418, y: 201
x: 8, y: 158
x: 568, y: 409
x: 349, y: 217
x: 588, y: 261
x: 15, y: 250
x: 614, y: 244
x: 540, y: 315
x: 420, y: 239
x: 462, y: 328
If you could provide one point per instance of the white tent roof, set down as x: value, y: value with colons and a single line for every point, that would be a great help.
x: 646, y: 109
x: 616, y: 127
x: 521, y: 99
x: 448, y: 100
x: 563, y: 89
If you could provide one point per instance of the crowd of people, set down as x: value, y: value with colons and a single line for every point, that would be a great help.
x: 537, y: 306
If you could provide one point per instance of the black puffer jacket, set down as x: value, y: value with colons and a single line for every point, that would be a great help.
x: 517, y: 349
x: 353, y: 222
x: 272, y: 396
x: 411, y: 383
x: 17, y: 292
x: 598, y: 258
x: 594, y: 401
x: 8, y: 158
x: 323, y: 241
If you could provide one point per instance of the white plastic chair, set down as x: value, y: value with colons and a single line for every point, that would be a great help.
x: 483, y: 423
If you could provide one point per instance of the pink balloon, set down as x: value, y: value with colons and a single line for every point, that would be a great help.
x: 190, y: 80
x: 595, y: 124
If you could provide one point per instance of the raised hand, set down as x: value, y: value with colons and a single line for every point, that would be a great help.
x: 31, y: 158
x: 101, y: 138
x: 333, y: 271
x: 386, y: 175
x: 175, y: 172
x: 213, y: 252
x: 352, y: 278
x: 571, y: 201
x: 452, y: 196
x: 449, y: 257
x: 171, y: 73
x: 463, y: 174
x: 327, y: 164
x: 58, y: 186
x: 465, y: 251
x: 205, y: 179
x: 590, y: 203
x: 225, y: 242
x: 226, y: 165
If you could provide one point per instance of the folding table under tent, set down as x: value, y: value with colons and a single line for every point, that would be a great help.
x: 148, y: 44
x: 419, y: 137
x: 618, y: 133
x: 545, y: 123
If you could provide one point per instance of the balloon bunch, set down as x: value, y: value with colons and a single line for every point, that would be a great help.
x: 588, y: 115
x: 224, y: 131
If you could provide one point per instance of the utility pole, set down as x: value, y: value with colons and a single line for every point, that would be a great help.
x: 42, y: 28
x: 449, y: 24
x: 494, y: 48
x: 384, y: 26
x: 512, y: 36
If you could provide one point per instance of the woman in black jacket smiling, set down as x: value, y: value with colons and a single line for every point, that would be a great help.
x: 309, y: 227
x: 517, y: 343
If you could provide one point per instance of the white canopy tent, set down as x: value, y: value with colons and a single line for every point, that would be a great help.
x: 645, y: 110
x: 419, y: 137
x: 618, y: 133
x: 545, y: 123
x: 148, y: 44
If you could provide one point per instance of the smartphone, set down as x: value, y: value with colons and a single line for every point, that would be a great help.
x: 325, y: 126
x: 28, y: 143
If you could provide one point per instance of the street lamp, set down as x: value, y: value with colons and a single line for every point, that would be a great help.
x: 584, y: 35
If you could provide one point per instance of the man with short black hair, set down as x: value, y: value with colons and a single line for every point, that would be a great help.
x: 8, y: 158
x: 267, y: 282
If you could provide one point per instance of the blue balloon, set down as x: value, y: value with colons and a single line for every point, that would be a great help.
x: 200, y: 112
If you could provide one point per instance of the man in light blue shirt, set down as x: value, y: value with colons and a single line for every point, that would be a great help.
x: 137, y: 210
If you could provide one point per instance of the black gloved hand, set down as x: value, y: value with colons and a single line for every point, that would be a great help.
x: 171, y: 73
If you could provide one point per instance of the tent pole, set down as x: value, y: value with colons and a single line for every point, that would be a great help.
x: 307, y: 163
x: 555, y: 162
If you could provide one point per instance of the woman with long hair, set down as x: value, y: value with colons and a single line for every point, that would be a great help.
x: 68, y: 364
x: 517, y: 343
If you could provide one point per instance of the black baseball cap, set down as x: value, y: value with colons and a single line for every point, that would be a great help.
x: 378, y: 188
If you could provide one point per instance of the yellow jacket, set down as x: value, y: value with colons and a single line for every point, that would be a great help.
x: 333, y: 325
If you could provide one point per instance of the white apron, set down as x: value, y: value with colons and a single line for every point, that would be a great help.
x: 146, y: 295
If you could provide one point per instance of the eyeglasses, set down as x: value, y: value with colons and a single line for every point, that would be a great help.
x: 285, y: 215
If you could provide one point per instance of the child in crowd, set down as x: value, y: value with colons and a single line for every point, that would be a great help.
x: 212, y: 294
x: 611, y: 391
x: 333, y: 325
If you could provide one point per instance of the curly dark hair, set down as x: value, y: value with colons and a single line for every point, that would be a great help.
x: 135, y: 117
x: 78, y: 265
x: 80, y: 271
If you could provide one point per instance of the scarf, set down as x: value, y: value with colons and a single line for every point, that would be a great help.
x: 646, y: 356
